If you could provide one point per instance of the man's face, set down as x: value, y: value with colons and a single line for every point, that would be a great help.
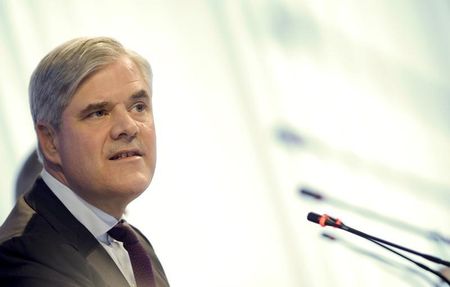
x: 106, y: 143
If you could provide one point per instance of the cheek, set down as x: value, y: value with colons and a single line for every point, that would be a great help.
x: 148, y: 133
x: 79, y: 146
x: 148, y: 139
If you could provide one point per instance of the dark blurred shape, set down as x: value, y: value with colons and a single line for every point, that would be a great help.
x: 30, y: 171
x: 289, y: 137
x: 311, y: 193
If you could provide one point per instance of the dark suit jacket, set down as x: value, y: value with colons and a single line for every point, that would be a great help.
x: 42, y: 244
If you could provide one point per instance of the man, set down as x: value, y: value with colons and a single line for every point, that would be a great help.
x: 91, y: 105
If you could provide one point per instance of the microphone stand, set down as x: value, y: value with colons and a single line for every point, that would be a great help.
x: 376, y: 239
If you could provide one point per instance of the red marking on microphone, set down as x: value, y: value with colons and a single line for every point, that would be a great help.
x: 338, y: 222
x: 323, y: 220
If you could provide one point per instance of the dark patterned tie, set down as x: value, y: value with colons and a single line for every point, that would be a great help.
x: 140, y: 260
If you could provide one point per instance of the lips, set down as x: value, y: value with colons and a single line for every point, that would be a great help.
x: 125, y: 154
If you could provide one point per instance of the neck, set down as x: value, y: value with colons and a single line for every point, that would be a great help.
x: 114, y: 207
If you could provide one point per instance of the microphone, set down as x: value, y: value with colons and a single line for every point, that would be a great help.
x: 326, y: 220
x: 430, y: 234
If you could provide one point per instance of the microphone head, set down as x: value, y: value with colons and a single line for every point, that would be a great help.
x: 325, y: 220
x: 314, y: 217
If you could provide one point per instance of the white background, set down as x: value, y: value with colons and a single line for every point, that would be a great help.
x: 365, y: 84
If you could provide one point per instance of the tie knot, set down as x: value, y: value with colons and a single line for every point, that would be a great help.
x: 123, y: 233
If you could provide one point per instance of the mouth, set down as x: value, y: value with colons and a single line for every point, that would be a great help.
x: 125, y: 154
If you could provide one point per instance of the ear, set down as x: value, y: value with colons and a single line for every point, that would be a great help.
x: 48, y: 142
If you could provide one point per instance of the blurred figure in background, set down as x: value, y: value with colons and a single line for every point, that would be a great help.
x: 28, y: 174
x: 91, y: 103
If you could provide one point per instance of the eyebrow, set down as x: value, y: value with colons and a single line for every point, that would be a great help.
x: 93, y: 107
x: 139, y: 95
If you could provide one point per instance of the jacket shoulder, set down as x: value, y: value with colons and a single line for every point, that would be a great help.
x: 17, y: 221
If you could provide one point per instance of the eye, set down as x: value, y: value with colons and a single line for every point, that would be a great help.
x: 140, y: 107
x: 98, y: 114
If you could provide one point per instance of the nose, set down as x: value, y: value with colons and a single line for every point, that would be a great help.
x: 123, y: 126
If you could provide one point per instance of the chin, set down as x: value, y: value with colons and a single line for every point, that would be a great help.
x: 133, y: 185
x: 127, y: 182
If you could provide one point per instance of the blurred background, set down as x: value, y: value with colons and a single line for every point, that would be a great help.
x: 256, y: 101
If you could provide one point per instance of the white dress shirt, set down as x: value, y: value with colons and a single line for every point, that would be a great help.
x: 95, y: 220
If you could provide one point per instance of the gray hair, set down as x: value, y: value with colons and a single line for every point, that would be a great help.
x: 62, y: 71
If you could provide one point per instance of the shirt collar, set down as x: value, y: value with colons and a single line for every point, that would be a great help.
x: 95, y: 220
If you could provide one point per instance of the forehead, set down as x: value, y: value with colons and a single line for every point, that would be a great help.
x: 122, y: 78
